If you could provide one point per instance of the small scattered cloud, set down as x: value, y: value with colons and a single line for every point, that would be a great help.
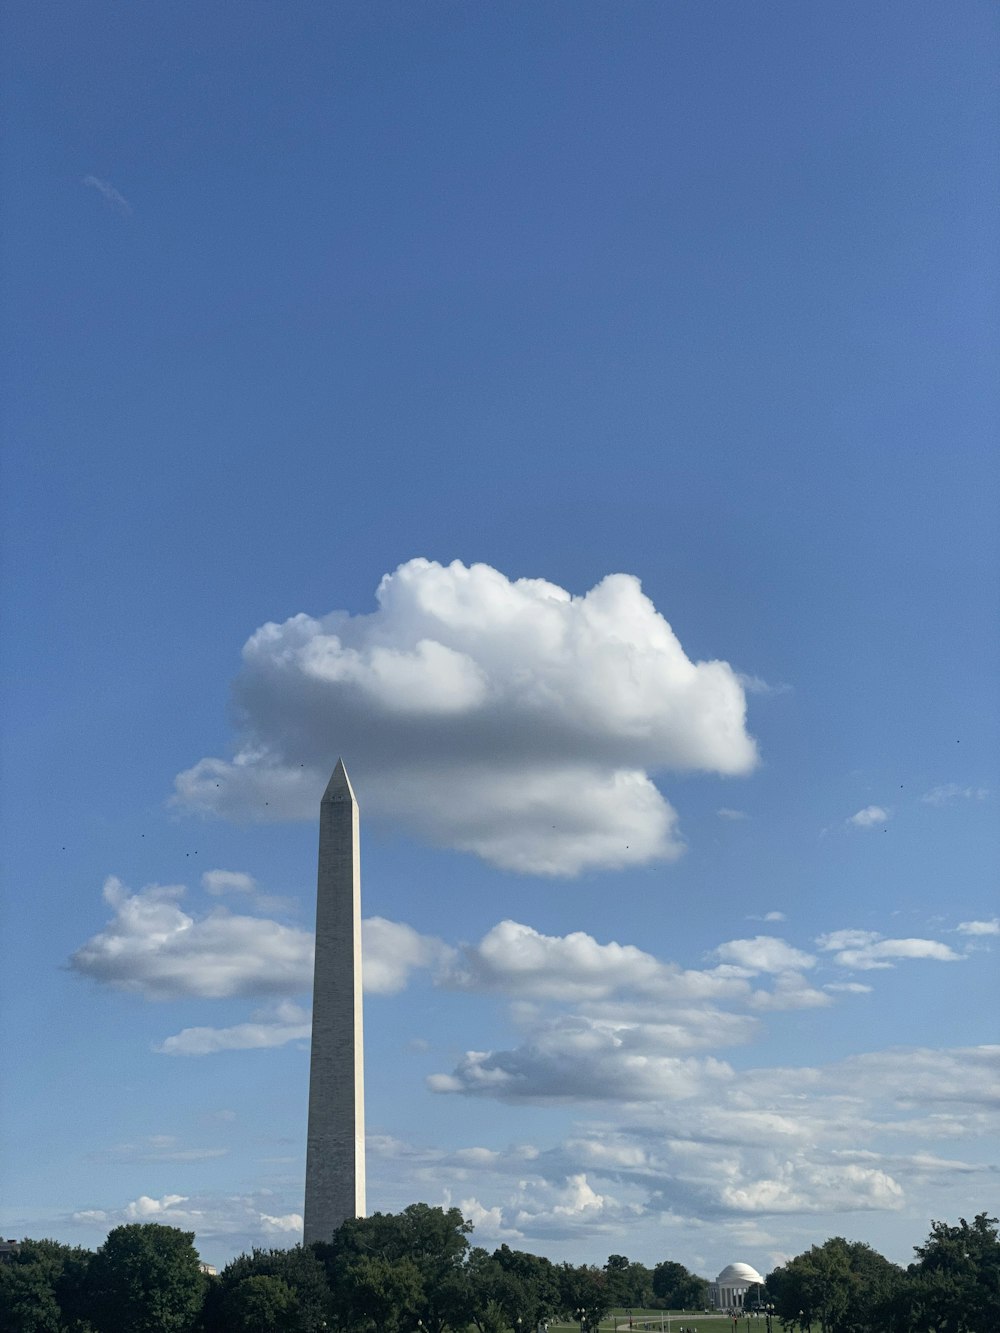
x: 979, y: 928
x: 952, y: 791
x: 869, y: 817
x: 757, y: 685
x: 764, y: 953
x: 865, y: 950
x: 109, y: 194
x: 238, y: 1221
x: 790, y: 991
x: 724, y: 812
x: 218, y: 882
x: 848, y: 988
x: 505, y: 718
x: 268, y: 1028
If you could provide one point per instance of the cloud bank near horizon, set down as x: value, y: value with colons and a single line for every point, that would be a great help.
x: 508, y: 719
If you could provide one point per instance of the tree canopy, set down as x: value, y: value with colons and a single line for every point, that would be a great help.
x: 677, y: 1289
x: 146, y: 1278
x: 414, y: 1272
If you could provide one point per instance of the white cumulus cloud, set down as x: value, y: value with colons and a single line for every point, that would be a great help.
x: 392, y: 951
x: 867, y: 949
x: 991, y: 927
x: 869, y: 817
x: 154, y: 948
x: 764, y: 953
x: 218, y: 882
x: 504, y: 718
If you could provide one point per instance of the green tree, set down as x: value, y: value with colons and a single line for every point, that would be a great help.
x: 840, y: 1285
x: 583, y: 1288
x: 675, y: 1288
x: 489, y: 1294
x: 261, y: 1304
x: 43, y: 1288
x: 146, y: 1278
x: 298, y: 1269
x: 385, y: 1293
x: 430, y: 1242
x: 629, y: 1284
x: 955, y: 1285
x: 533, y: 1286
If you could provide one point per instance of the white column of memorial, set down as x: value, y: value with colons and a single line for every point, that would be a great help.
x: 335, y: 1149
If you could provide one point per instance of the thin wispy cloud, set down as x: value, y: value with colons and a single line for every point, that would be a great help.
x: 757, y: 685
x: 111, y: 196
x: 951, y: 791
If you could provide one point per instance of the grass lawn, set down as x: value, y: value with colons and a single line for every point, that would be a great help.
x: 649, y: 1321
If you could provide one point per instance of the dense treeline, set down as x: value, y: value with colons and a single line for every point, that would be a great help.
x: 847, y: 1287
x: 417, y: 1272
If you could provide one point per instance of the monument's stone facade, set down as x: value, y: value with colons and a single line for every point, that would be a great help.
x: 335, y: 1151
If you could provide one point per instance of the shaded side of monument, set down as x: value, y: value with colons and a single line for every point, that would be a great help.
x: 335, y: 1150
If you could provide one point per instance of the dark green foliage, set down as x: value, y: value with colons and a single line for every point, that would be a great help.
x: 841, y: 1285
x: 955, y: 1285
x: 43, y: 1289
x: 413, y: 1272
x: 491, y: 1297
x: 395, y: 1269
x: 297, y: 1270
x: 262, y: 1305
x: 535, y: 1294
x: 675, y: 1288
x: 630, y: 1285
x: 146, y: 1278
x: 583, y: 1289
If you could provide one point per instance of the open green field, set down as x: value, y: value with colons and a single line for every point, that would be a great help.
x: 652, y: 1321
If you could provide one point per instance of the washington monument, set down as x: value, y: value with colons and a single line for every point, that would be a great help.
x: 335, y: 1150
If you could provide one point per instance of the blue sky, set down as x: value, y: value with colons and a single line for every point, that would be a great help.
x: 598, y: 403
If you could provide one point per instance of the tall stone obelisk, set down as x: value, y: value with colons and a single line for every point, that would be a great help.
x: 335, y: 1150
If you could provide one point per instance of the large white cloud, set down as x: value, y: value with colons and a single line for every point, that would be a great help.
x: 504, y: 718
x: 154, y: 948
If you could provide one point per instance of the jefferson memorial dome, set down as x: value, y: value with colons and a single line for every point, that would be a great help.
x: 729, y: 1289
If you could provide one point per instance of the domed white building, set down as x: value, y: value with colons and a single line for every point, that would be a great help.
x: 728, y: 1291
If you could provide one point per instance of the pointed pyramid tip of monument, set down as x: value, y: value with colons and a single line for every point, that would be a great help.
x: 339, y: 785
